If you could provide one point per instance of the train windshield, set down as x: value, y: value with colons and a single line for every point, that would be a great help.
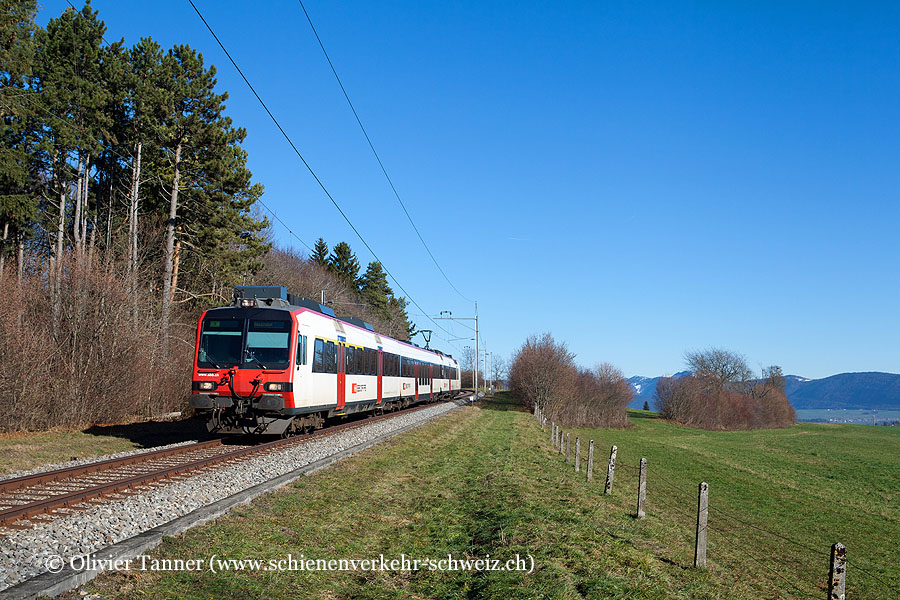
x: 247, y: 343
x: 268, y: 344
x: 221, y: 341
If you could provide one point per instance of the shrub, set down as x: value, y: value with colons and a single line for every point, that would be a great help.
x: 721, y: 394
x: 543, y: 375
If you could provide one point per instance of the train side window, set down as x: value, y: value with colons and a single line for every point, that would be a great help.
x: 301, y: 349
x: 373, y: 365
x: 330, y: 358
x: 319, y: 356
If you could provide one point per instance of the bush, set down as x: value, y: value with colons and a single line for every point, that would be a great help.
x: 94, y: 360
x: 543, y: 375
x: 721, y: 394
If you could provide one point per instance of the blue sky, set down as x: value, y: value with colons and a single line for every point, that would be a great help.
x: 637, y: 178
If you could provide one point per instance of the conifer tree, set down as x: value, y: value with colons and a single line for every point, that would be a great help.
x: 18, y: 178
x: 344, y: 264
x: 320, y: 253
x: 375, y: 290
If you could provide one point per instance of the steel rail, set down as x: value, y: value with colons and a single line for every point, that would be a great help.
x: 9, y: 516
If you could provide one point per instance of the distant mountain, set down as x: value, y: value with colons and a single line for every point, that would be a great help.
x: 645, y: 389
x: 845, y: 390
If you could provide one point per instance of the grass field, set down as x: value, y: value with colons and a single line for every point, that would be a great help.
x: 28, y: 450
x: 25, y: 451
x: 485, y: 480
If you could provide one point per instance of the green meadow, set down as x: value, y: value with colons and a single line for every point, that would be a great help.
x: 485, y: 480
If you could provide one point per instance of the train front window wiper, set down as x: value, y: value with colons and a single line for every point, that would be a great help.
x: 250, y: 357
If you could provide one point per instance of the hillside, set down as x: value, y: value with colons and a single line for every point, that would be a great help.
x: 845, y: 390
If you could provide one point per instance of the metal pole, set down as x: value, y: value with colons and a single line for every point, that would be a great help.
x: 491, y: 371
x: 476, y: 351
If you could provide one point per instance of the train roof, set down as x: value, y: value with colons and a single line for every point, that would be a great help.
x: 277, y: 297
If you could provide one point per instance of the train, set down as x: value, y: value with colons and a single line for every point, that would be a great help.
x: 275, y: 363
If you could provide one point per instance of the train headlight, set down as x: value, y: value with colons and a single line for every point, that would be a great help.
x: 207, y: 385
x: 275, y: 387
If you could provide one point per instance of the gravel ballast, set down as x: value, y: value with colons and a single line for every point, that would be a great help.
x: 24, y: 553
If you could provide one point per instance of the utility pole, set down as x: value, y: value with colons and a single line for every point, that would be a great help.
x: 477, y: 358
x: 476, y: 351
x: 491, y: 371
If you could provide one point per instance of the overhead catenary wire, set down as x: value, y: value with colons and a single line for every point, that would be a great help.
x: 34, y: 101
x: 306, y: 164
x: 375, y: 152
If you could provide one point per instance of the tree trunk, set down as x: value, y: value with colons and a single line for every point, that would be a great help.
x: 3, y: 248
x: 109, y: 211
x: 57, y: 259
x: 90, y: 256
x: 170, y: 247
x: 133, y: 230
x: 176, y: 261
x: 20, y: 258
x: 76, y: 221
x: 133, y: 211
x: 84, y: 209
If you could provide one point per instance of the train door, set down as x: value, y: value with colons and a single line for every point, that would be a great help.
x: 416, y: 377
x: 431, y: 381
x: 341, y: 376
x: 380, y: 367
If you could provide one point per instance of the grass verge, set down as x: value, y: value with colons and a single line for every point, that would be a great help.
x: 485, y: 481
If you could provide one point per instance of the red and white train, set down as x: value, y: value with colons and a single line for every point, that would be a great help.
x: 276, y: 363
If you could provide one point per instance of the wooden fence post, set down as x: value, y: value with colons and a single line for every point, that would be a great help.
x: 642, y: 489
x: 577, y: 454
x: 610, y: 470
x: 553, y: 433
x: 837, y: 577
x: 561, y: 441
x: 702, y: 516
x: 567, y: 446
x: 590, y: 465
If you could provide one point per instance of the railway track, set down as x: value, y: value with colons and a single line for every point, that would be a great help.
x: 30, y: 499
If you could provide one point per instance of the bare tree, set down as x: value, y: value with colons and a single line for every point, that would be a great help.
x: 728, y: 369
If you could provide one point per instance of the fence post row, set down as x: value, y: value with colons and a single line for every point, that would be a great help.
x: 610, y: 471
x: 642, y: 490
x: 590, y: 465
x: 702, y: 516
x: 837, y: 576
x: 577, y: 454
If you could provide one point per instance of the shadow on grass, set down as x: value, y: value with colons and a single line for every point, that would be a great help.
x: 634, y: 413
x: 154, y: 433
x: 502, y: 401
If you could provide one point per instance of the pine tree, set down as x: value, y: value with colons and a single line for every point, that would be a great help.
x: 320, y: 253
x: 646, y: 405
x: 18, y: 180
x: 344, y: 264
x: 401, y: 327
x: 376, y: 291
